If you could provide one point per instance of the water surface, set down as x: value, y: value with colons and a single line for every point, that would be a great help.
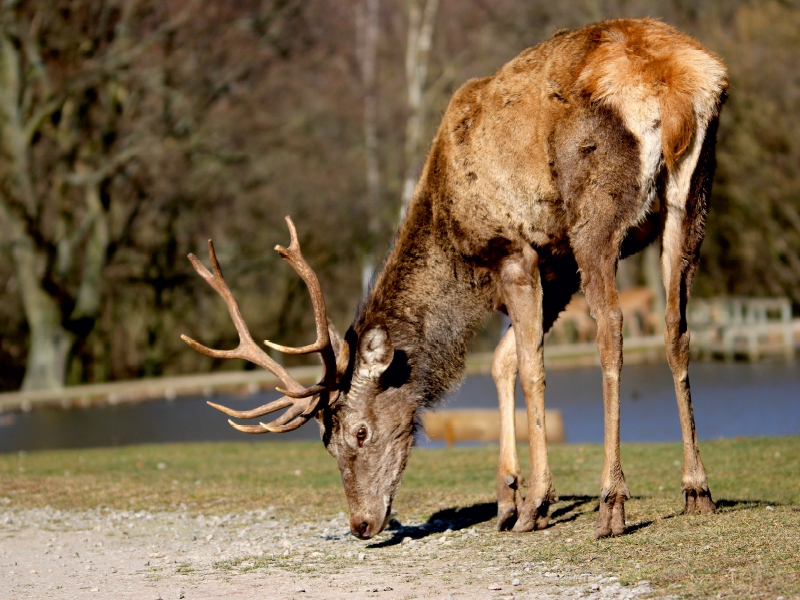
x: 730, y: 400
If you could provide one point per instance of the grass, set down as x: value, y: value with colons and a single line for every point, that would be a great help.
x: 751, y: 548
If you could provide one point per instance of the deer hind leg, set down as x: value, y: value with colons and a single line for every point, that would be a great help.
x: 509, y: 480
x: 601, y: 293
x: 687, y: 201
x: 522, y: 292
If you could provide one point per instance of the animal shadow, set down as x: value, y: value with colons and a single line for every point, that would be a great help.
x: 571, y: 510
x: 731, y: 505
x: 454, y: 519
x: 461, y: 517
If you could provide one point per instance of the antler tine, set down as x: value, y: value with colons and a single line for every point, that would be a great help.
x: 247, y: 348
x: 256, y: 412
x: 294, y: 256
x: 307, y: 393
x: 293, y: 418
x: 248, y: 428
x: 298, y: 412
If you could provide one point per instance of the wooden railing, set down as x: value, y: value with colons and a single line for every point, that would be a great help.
x: 749, y: 327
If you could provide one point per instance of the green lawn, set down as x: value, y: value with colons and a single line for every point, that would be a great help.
x: 751, y: 548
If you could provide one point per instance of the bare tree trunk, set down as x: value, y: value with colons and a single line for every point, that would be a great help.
x: 50, y: 343
x: 367, y: 29
x: 421, y: 19
x: 57, y: 316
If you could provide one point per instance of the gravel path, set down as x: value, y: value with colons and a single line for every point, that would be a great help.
x: 105, y: 554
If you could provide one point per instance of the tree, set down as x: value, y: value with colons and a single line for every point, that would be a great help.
x: 68, y: 146
x: 421, y: 22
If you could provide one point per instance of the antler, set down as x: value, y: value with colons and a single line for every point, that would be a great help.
x: 299, y: 412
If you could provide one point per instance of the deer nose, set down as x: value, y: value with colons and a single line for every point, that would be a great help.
x: 363, y: 531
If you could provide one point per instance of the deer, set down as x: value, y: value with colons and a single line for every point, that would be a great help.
x: 575, y: 154
x: 576, y: 315
x: 637, y: 310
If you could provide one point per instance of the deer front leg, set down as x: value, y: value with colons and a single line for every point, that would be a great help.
x: 509, y: 480
x: 522, y: 292
x: 677, y: 272
x: 601, y: 293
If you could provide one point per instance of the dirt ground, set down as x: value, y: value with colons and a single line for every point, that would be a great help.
x: 46, y: 553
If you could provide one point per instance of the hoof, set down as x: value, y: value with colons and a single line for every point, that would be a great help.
x: 611, y: 518
x: 699, y: 502
x: 509, y: 502
x: 506, y: 516
x: 533, y: 515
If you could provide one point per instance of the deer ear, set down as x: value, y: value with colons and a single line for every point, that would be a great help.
x: 375, y: 352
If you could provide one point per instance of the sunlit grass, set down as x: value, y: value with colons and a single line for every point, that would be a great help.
x: 749, y: 549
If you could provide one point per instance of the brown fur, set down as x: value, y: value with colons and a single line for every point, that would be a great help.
x: 638, y: 59
x: 535, y: 178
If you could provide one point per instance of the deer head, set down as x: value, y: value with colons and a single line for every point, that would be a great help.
x: 365, y: 411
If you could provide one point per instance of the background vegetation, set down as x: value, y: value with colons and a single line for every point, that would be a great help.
x: 131, y: 131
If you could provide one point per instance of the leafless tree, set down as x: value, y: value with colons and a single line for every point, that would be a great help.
x: 421, y: 22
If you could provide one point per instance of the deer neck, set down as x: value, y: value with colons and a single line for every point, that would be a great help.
x: 430, y: 300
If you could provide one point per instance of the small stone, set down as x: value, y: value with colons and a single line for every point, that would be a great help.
x: 33, y: 571
x: 299, y: 590
x: 161, y: 466
x: 515, y: 582
x: 495, y: 587
x: 770, y: 508
x: 362, y: 556
x: 407, y: 540
x: 94, y: 590
x: 387, y: 589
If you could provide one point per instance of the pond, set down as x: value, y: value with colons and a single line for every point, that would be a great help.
x: 730, y: 400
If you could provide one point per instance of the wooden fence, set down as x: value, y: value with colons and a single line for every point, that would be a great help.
x: 748, y: 327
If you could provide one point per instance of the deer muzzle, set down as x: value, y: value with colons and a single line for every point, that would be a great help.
x: 365, y: 526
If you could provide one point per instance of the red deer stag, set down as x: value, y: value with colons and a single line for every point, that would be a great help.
x: 540, y: 178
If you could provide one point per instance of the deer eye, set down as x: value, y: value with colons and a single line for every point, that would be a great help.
x: 361, y: 435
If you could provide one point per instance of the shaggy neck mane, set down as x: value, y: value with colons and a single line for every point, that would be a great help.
x: 430, y: 300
